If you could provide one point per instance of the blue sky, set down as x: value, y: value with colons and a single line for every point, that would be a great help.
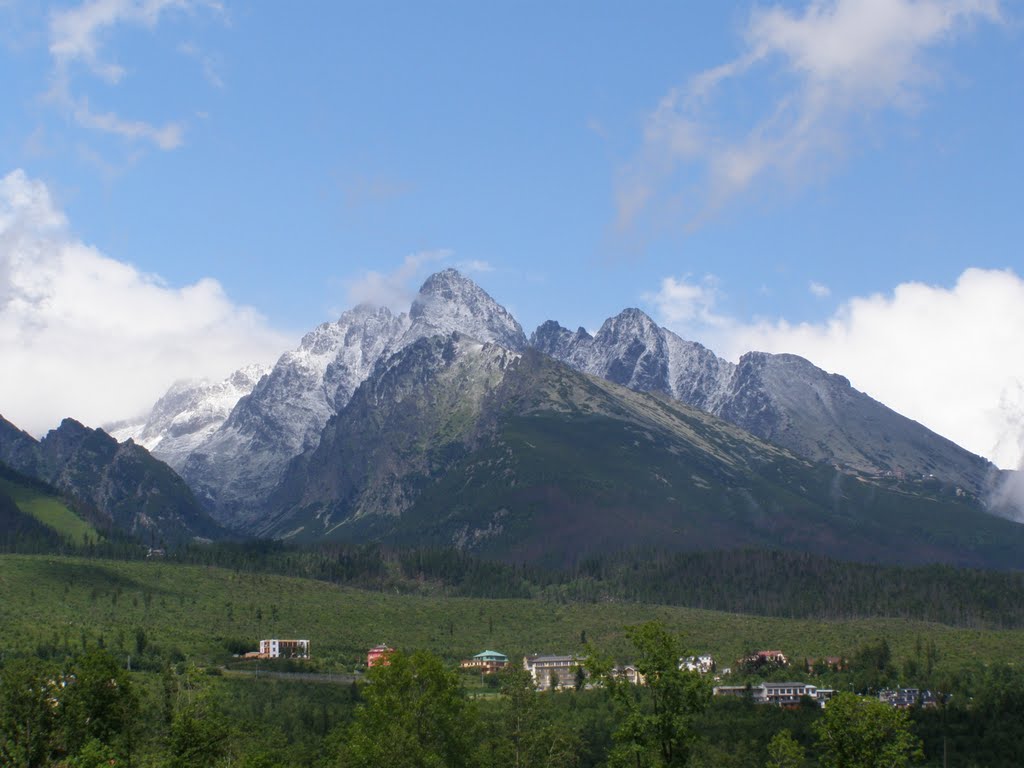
x: 189, y: 185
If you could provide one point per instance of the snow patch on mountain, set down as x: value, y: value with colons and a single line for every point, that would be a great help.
x: 450, y: 303
x: 188, y: 414
x: 237, y: 463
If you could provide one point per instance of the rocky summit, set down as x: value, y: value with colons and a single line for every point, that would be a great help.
x: 362, y: 429
x: 783, y: 399
x: 234, y: 466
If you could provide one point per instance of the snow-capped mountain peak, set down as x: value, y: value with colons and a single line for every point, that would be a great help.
x: 448, y: 302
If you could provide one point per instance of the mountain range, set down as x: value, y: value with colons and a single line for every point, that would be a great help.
x: 447, y: 424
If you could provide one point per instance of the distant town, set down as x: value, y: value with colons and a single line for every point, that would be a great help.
x: 554, y: 672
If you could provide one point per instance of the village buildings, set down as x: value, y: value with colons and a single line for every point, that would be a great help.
x: 630, y: 674
x: 784, y: 694
x: 284, y: 649
x: 379, y: 656
x: 705, y: 664
x: 553, y: 671
x: 486, y: 662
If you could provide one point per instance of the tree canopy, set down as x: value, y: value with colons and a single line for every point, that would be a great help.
x: 861, y: 732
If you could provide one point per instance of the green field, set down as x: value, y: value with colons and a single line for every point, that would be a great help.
x: 51, y: 512
x: 197, y: 611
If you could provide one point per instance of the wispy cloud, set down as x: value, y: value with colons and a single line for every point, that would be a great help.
x: 945, y: 356
x: 76, y: 39
x: 840, y: 60
x: 210, y: 66
x: 69, y: 313
x: 819, y: 290
x: 475, y: 266
x: 397, y: 288
x: 168, y: 136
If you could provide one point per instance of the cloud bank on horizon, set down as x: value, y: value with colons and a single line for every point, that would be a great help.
x: 946, y: 357
x: 88, y: 336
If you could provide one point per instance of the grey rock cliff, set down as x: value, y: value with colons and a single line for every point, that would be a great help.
x: 239, y: 464
x: 783, y: 399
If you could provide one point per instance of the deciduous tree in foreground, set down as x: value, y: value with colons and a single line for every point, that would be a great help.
x: 657, y: 722
x: 859, y: 732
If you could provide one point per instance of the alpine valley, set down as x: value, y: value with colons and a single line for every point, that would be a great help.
x: 448, y: 426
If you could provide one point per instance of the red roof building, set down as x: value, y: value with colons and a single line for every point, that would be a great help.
x: 378, y: 656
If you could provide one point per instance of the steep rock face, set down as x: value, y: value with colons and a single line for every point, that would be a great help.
x: 238, y: 465
x: 450, y: 303
x: 19, y: 450
x: 188, y: 414
x: 453, y: 442
x: 780, y: 398
x: 142, y: 495
x: 632, y: 350
x: 430, y: 395
x: 789, y: 401
x: 137, y: 493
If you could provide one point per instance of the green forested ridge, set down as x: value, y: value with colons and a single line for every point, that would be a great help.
x: 22, y: 532
x: 769, y: 583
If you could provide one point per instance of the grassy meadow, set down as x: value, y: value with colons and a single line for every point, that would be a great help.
x: 200, y: 612
x: 50, y: 511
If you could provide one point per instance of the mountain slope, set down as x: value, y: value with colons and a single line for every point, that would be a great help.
x: 783, y: 399
x: 136, y: 492
x: 788, y: 401
x: 234, y: 462
x: 35, y: 517
x: 188, y: 414
x: 238, y: 465
x: 517, y: 456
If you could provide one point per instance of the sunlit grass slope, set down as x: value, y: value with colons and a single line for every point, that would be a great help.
x: 50, y: 511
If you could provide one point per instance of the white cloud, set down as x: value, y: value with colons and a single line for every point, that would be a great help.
x: 87, y: 336
x: 843, y: 60
x: 169, y: 136
x: 819, y: 290
x: 75, y: 32
x: 77, y: 37
x: 393, y: 289
x: 946, y: 357
x: 682, y: 303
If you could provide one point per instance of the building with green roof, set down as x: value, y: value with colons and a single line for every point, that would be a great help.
x: 486, y: 661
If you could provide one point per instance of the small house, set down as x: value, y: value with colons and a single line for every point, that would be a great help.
x: 379, y: 656
x: 284, y: 649
x: 486, y: 662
